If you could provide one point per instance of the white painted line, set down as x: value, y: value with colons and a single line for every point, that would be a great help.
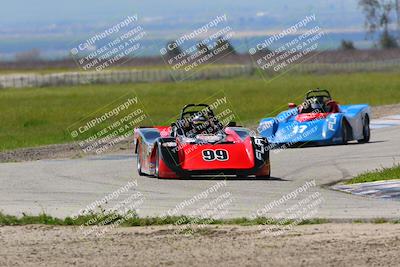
x: 384, y: 122
x: 394, y: 117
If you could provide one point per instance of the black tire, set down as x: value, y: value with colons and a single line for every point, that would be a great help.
x: 261, y: 177
x: 366, y: 131
x: 345, y: 133
x: 138, y: 161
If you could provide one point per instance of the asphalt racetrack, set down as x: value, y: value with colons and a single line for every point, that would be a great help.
x: 63, y: 187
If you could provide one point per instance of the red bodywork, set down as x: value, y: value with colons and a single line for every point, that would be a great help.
x: 241, y: 156
x: 303, y: 117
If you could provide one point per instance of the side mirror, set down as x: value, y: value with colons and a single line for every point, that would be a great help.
x: 292, y: 105
x: 231, y: 124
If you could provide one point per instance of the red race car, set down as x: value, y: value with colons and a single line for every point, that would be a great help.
x: 199, y: 145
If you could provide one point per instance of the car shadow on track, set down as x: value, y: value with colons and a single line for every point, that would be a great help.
x: 371, y: 142
x: 351, y: 143
x: 231, y: 178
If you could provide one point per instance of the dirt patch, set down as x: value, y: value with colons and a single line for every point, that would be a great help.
x: 312, y: 245
x: 385, y: 110
x: 59, y: 151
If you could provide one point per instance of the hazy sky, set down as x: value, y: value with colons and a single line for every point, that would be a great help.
x: 48, y: 11
x: 52, y: 25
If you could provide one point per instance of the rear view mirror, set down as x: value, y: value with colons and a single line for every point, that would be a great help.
x: 292, y: 105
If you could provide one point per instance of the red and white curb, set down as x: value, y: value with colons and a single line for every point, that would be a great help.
x: 381, y: 189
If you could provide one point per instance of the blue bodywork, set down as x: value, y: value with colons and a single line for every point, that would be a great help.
x: 285, y: 129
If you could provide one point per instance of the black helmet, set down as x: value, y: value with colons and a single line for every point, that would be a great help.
x: 199, y: 121
x: 317, y: 104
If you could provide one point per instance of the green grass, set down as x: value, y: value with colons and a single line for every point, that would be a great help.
x: 135, y: 220
x: 40, y: 116
x: 380, y: 221
x: 377, y: 175
x: 147, y: 221
x: 376, y: 221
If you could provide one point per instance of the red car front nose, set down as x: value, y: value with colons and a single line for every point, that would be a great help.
x: 217, y: 157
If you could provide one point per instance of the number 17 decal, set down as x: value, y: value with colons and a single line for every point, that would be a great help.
x: 218, y: 154
x: 299, y: 129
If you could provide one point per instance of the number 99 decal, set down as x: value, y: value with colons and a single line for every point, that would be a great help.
x: 218, y: 154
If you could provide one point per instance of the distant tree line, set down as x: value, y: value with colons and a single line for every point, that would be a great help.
x: 378, y: 16
x: 28, y: 56
x: 347, y: 45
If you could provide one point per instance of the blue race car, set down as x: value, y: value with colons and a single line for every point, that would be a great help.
x: 318, y: 121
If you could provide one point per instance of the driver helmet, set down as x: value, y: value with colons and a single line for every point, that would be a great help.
x: 315, y: 104
x: 199, y: 122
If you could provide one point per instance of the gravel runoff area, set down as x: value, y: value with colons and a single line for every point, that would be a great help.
x: 332, y: 244
x: 73, y: 150
x: 385, y: 110
x: 58, y: 151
